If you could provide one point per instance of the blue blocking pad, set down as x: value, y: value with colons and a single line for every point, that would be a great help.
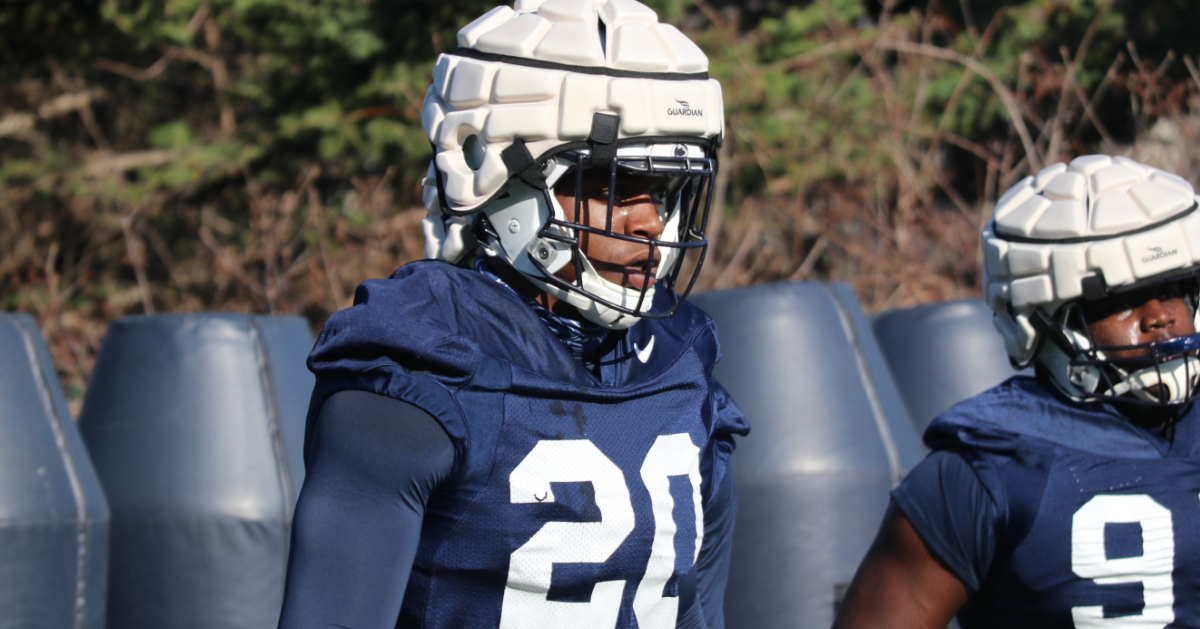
x: 53, y: 516
x: 941, y: 354
x: 195, y: 423
x: 831, y: 436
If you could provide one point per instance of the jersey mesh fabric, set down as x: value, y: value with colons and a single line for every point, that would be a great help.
x: 1094, y: 518
x: 470, y: 353
x: 477, y: 550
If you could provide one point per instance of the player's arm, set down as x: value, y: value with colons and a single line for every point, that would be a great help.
x: 375, y: 461
x: 901, y: 583
x: 933, y: 550
x: 710, y: 575
x: 711, y: 572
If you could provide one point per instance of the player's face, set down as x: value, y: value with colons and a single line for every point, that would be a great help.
x: 1154, y: 313
x: 635, y: 213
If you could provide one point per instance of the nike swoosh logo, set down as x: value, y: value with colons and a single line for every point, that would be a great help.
x: 643, y: 354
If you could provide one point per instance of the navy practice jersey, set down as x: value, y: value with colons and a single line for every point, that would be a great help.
x: 1096, y: 522
x: 575, y: 500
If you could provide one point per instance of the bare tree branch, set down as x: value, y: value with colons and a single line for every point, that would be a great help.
x: 1006, y: 96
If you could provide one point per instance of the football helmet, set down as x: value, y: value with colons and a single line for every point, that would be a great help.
x: 535, y: 95
x: 1090, y: 230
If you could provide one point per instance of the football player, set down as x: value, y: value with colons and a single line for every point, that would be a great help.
x: 1072, y: 498
x: 524, y: 432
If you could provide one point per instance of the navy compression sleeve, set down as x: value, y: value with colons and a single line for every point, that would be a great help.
x: 375, y: 462
x: 953, y: 513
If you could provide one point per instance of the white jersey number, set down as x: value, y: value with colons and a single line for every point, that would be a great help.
x: 530, y: 566
x: 1152, y: 568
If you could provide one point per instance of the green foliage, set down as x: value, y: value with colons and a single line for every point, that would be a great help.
x: 810, y: 88
x: 269, y: 152
x: 341, y: 81
x: 172, y: 135
x: 303, y: 79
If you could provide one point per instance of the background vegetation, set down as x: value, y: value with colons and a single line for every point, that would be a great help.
x: 265, y: 155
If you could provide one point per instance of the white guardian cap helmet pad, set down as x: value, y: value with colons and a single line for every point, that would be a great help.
x: 541, y: 72
x: 1097, y: 227
x: 545, y: 87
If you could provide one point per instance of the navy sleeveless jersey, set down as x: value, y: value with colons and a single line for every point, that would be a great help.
x: 1097, y: 521
x: 574, y: 500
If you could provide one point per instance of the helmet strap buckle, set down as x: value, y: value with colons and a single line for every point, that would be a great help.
x: 1094, y: 287
x: 602, y: 137
x: 520, y: 163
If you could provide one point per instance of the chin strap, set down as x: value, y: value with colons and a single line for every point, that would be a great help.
x: 1083, y: 382
x: 591, y: 310
x: 1178, y: 375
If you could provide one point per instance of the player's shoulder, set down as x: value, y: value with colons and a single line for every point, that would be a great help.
x: 1025, y: 413
x: 992, y: 420
x: 432, y: 295
x: 1006, y: 406
x: 434, y: 311
x: 398, y: 322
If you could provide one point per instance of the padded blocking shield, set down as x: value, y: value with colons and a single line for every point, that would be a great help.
x: 53, y: 516
x: 830, y: 437
x: 941, y: 354
x: 195, y: 423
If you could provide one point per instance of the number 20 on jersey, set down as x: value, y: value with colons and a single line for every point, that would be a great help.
x: 530, y: 566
